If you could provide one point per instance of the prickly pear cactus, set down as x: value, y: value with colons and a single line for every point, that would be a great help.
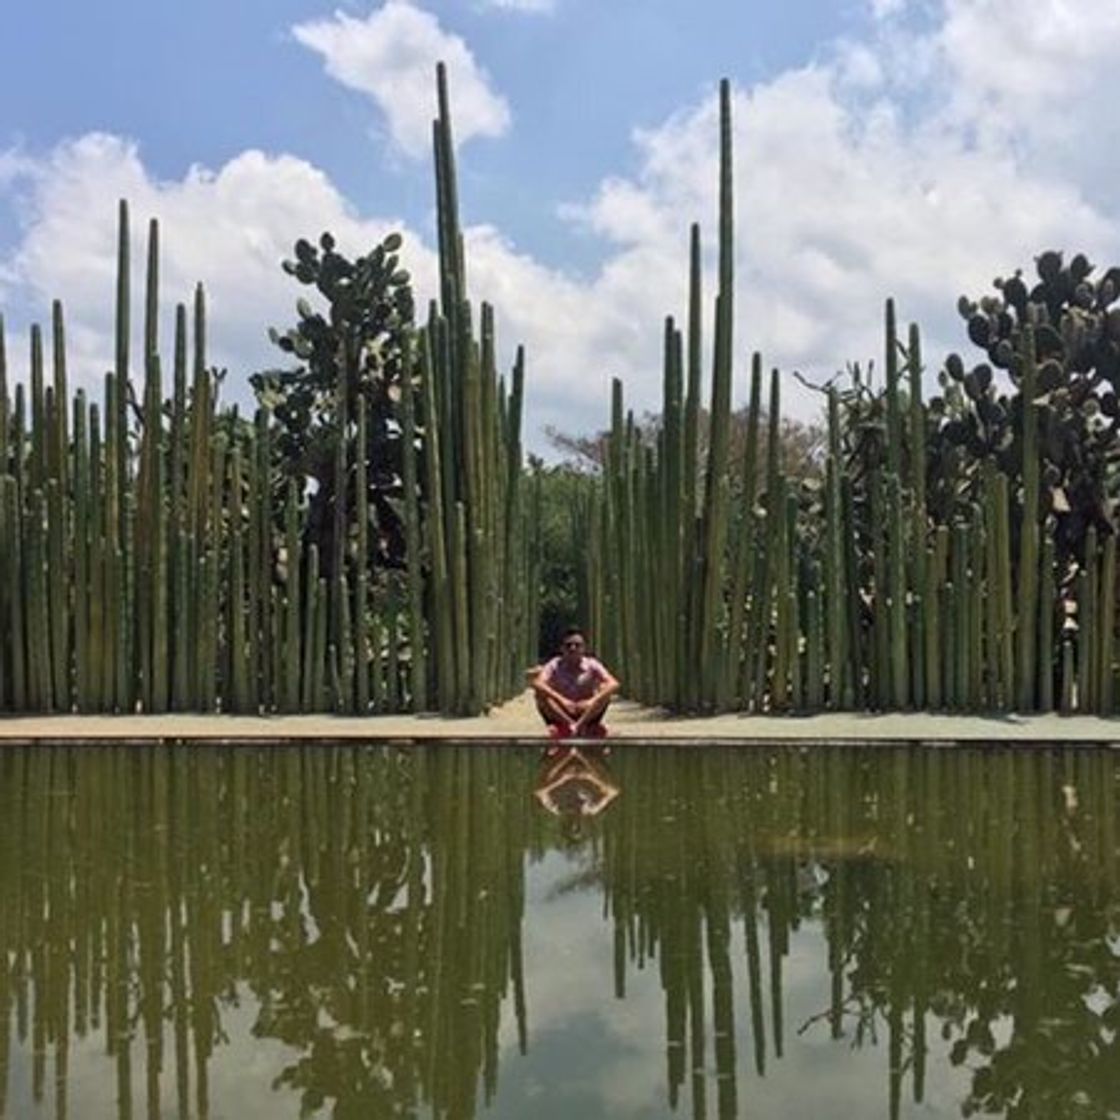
x: 1077, y: 350
x: 356, y: 342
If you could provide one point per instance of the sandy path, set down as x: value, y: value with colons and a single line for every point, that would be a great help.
x: 517, y: 721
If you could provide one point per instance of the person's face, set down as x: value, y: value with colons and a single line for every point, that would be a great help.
x: 573, y: 648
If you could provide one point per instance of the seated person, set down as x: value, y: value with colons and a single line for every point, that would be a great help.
x: 573, y: 690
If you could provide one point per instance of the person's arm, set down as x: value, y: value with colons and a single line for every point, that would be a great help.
x: 594, y: 705
x: 609, y: 794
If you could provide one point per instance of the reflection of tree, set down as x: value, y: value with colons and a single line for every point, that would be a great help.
x: 977, y: 888
x: 371, y: 900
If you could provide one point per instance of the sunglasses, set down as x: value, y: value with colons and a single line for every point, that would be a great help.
x: 573, y: 645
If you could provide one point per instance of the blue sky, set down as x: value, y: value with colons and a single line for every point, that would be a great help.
x: 201, y: 83
x: 907, y: 147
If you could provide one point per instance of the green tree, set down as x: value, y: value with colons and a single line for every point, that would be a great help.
x: 564, y: 492
x: 803, y: 444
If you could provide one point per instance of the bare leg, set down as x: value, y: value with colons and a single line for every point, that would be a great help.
x: 593, y: 713
x: 552, y: 713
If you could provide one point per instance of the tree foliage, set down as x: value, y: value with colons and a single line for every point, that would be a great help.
x: 802, y: 442
x: 562, y: 494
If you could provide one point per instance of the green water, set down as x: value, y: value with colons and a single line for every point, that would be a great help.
x: 368, y: 932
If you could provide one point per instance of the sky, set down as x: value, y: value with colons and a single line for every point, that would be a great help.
x: 907, y: 148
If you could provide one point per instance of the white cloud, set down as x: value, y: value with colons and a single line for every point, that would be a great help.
x: 228, y: 228
x: 391, y: 56
x: 1031, y: 61
x: 1040, y: 80
x: 13, y: 164
x: 231, y: 228
x: 856, y: 180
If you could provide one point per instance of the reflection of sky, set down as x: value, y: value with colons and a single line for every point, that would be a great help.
x: 590, y: 1055
x: 241, y: 1075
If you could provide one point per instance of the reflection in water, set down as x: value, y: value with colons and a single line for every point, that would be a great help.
x: 575, y: 782
x: 371, y: 900
x: 972, y: 890
x: 366, y: 907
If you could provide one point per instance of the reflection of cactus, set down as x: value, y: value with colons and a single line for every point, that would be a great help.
x: 387, y: 877
x: 774, y: 834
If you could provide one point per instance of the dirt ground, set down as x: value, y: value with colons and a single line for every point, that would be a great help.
x: 518, y: 722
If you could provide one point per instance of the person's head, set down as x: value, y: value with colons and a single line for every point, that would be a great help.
x: 573, y: 645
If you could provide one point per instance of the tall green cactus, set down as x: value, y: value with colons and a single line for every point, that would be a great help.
x: 1028, y: 543
x: 151, y: 559
x: 834, y: 566
x: 744, y: 542
x: 918, y: 527
x: 716, y: 480
x: 1046, y: 611
x: 1106, y: 626
x: 899, y: 641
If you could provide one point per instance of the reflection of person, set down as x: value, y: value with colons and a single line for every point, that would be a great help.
x: 575, y: 783
x: 573, y: 690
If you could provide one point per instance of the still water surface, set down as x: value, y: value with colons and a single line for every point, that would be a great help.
x: 366, y: 932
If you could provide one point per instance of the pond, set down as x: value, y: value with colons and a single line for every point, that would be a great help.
x: 462, y: 932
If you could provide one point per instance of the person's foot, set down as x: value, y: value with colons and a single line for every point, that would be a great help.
x: 595, y: 731
x: 559, y: 731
